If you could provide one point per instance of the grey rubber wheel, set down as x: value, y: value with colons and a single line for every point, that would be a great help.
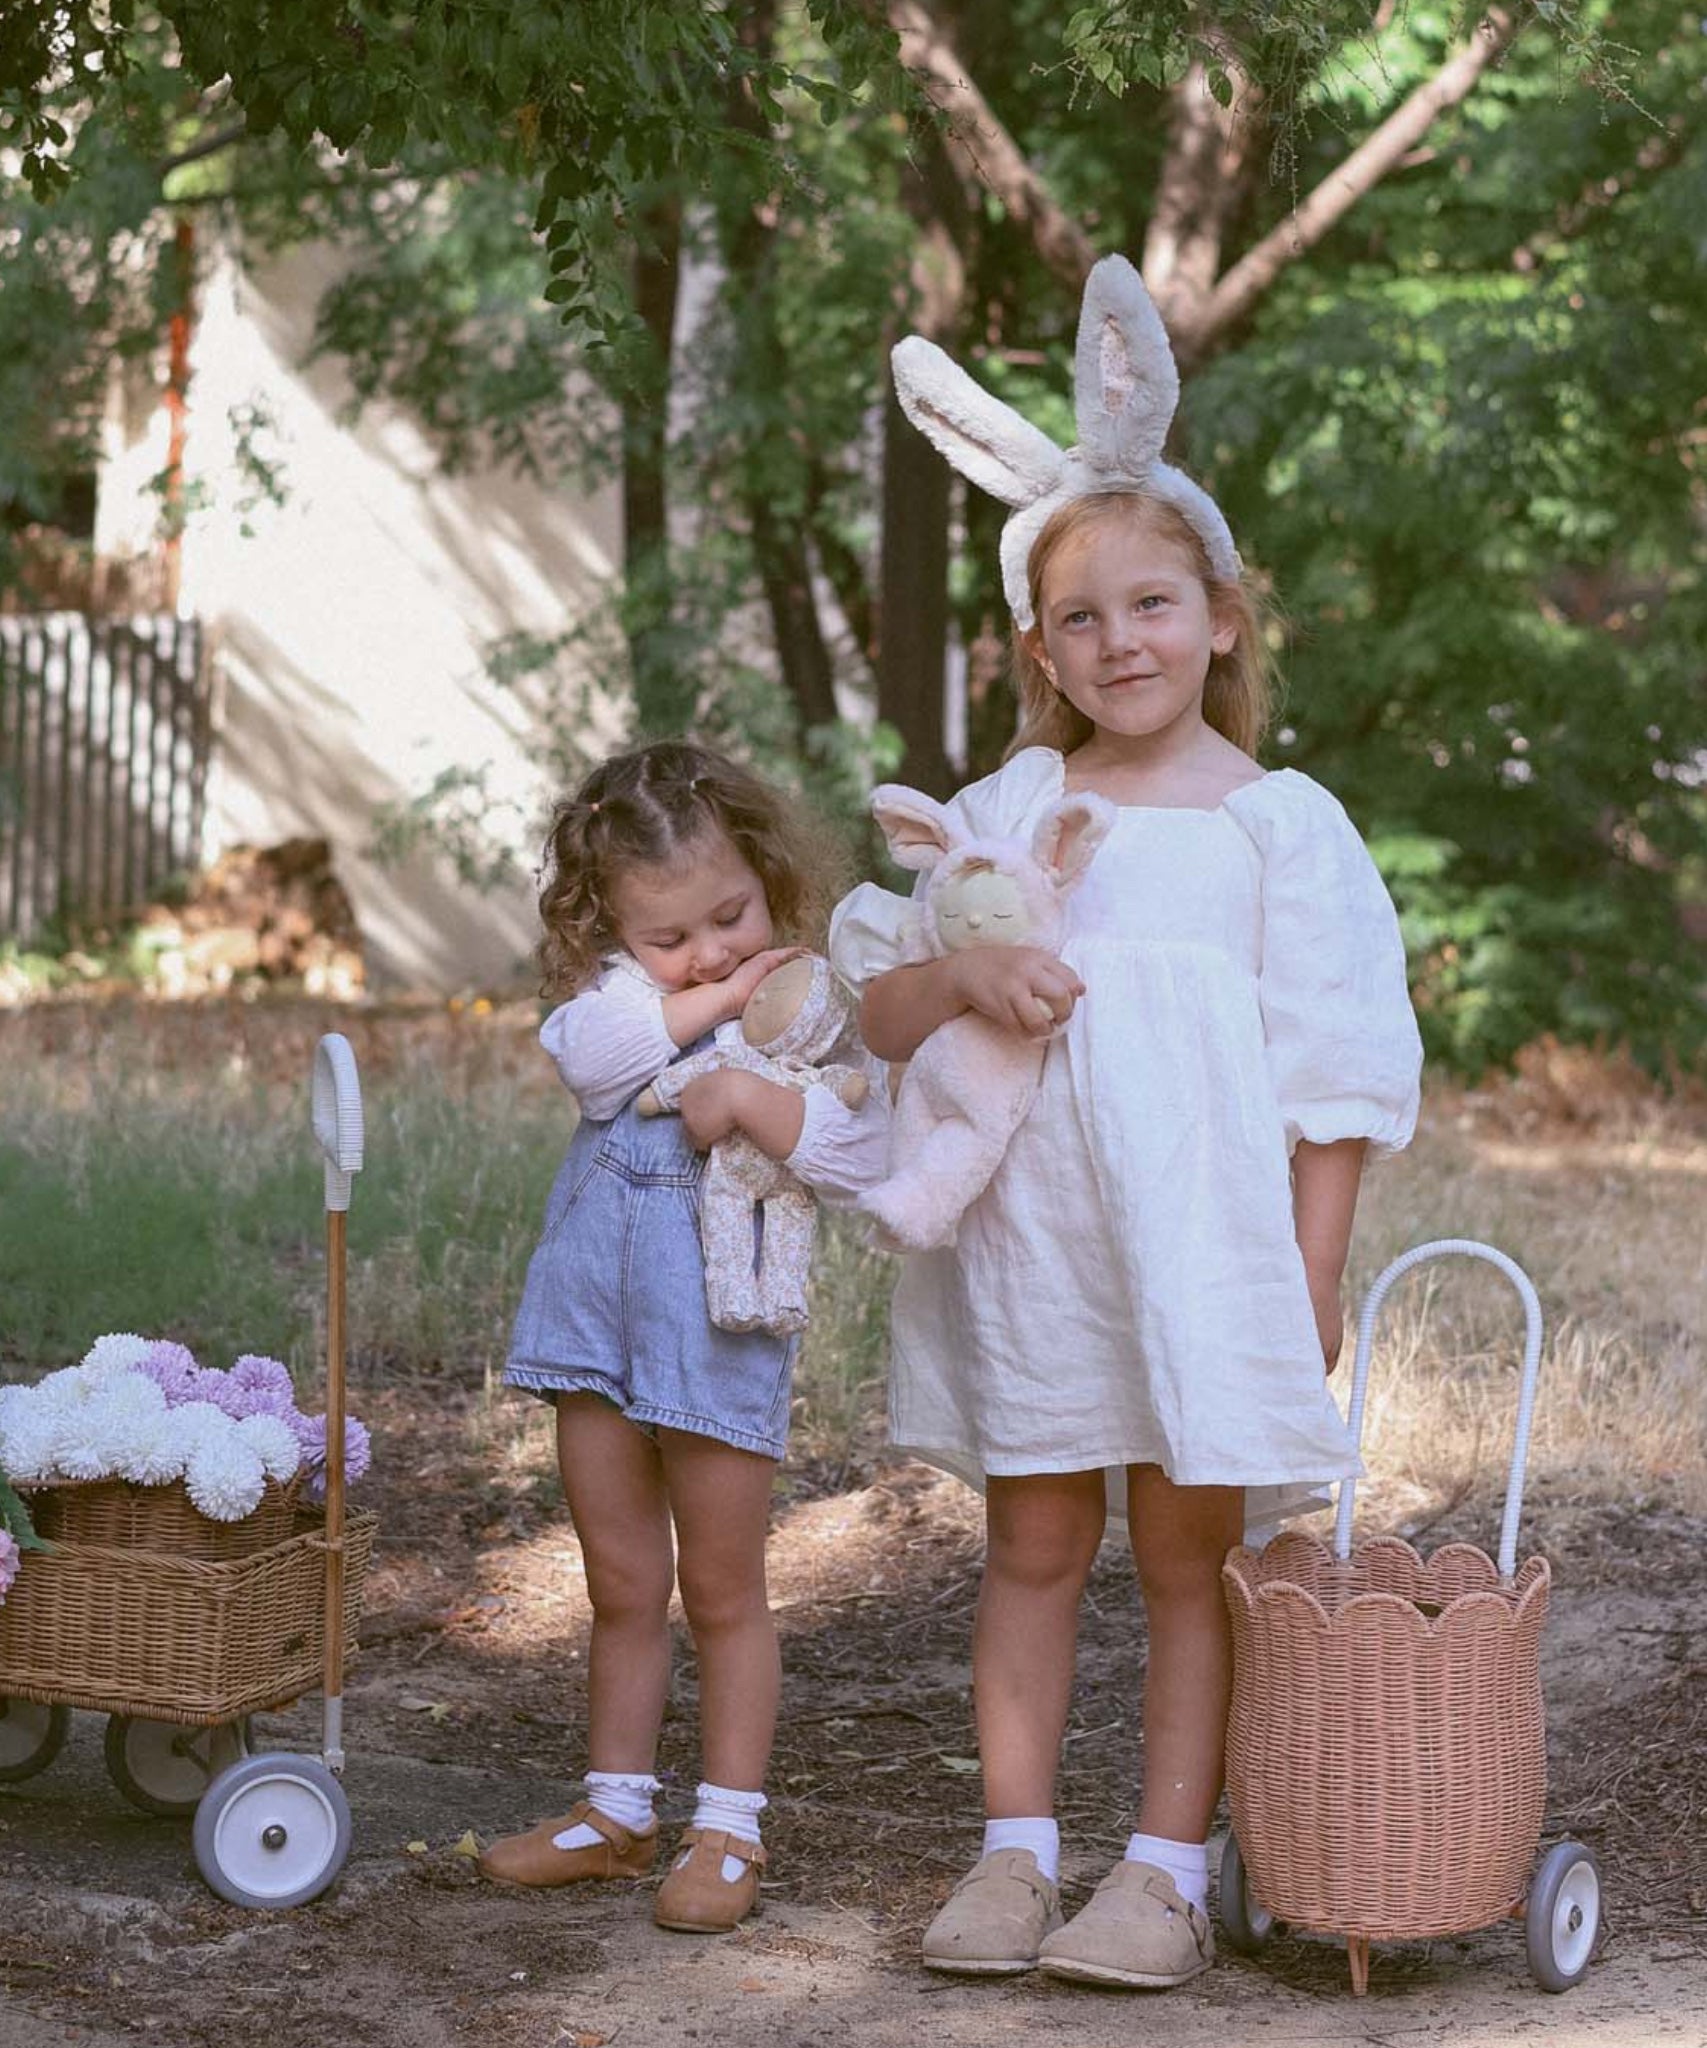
x: 1561, y: 1920
x: 31, y: 1736
x: 165, y: 1768
x: 1246, y: 1925
x: 272, y: 1831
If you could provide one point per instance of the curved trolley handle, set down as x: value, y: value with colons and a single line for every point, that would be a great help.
x: 1418, y: 1255
x: 335, y: 1102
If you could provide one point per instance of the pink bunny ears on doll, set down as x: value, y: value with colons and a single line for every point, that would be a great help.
x: 1125, y: 391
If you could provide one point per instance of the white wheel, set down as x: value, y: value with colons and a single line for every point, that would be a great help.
x: 165, y: 1768
x: 1562, y: 1917
x: 272, y: 1831
x: 31, y: 1736
x: 1246, y: 1924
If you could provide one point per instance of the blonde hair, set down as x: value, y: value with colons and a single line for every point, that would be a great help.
x: 652, y: 807
x: 1238, y: 694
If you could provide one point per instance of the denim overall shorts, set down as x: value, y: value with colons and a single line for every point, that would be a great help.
x: 614, y: 1301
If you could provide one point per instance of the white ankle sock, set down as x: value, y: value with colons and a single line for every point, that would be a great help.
x: 626, y: 1799
x: 1187, y: 1863
x: 730, y: 1813
x: 1038, y: 1833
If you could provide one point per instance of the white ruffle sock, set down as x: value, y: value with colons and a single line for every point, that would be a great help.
x: 1038, y: 1833
x: 1187, y: 1863
x: 730, y: 1813
x: 622, y: 1797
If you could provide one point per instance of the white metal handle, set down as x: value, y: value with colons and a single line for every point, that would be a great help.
x: 335, y: 1100
x: 1418, y: 1255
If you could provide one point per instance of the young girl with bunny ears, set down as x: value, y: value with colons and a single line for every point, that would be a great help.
x: 1139, y: 1306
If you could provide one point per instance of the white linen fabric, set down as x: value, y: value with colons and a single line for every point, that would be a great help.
x: 1129, y: 1289
x: 611, y: 1039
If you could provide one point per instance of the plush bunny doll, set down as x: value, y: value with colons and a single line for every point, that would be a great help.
x: 797, y: 1016
x: 969, y: 1085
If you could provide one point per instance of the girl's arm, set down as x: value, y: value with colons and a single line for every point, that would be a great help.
x: 1324, y: 1200
x: 1021, y: 987
x: 691, y: 1012
x: 735, y: 1100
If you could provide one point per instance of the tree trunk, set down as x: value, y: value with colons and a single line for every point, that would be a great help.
x: 660, y: 698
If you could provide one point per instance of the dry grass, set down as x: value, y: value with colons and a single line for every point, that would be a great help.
x: 1592, y: 1180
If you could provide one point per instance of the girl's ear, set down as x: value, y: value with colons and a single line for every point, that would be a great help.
x: 987, y: 441
x: 1223, y: 629
x: 1068, y: 833
x: 1125, y: 382
x: 917, y: 827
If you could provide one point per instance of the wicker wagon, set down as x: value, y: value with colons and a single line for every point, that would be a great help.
x: 1386, y: 1751
x: 179, y: 1628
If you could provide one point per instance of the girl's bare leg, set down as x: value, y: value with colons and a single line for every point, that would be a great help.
x: 1180, y: 1536
x: 614, y: 1480
x: 720, y: 1498
x: 1043, y: 1532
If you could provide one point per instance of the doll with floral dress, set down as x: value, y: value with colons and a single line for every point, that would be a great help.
x: 1139, y: 1306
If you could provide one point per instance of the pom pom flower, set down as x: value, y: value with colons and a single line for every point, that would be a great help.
x: 141, y: 1409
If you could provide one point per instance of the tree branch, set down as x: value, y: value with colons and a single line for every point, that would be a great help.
x: 982, y: 150
x: 209, y: 145
x: 1254, y: 273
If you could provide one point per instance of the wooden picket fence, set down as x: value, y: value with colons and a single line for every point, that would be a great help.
x: 105, y: 732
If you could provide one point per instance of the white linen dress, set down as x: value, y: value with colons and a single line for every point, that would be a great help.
x: 1128, y: 1289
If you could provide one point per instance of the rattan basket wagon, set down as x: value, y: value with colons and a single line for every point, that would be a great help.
x: 178, y: 1628
x: 1386, y: 1749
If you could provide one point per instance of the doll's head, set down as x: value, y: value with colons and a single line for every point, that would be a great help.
x: 641, y: 836
x: 991, y: 891
x: 800, y: 1011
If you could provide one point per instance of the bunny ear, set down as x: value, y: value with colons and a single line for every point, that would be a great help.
x: 987, y: 441
x: 1125, y: 383
x: 916, y: 826
x: 1068, y: 833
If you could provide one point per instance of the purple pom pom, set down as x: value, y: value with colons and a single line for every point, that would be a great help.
x: 172, y: 1368
x: 311, y: 1434
x: 259, y: 1374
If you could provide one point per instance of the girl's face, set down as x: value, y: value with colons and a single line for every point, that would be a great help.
x: 1125, y: 628
x: 693, y: 919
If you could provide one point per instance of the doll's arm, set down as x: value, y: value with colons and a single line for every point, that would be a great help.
x: 665, y: 1092
x: 847, y: 1084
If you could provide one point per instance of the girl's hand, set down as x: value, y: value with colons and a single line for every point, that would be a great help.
x: 739, y: 985
x: 710, y: 1107
x: 1021, y: 987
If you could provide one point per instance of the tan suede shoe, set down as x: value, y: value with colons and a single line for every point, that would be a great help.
x: 995, y: 1919
x: 534, y: 1857
x: 695, y: 1897
x: 1136, y: 1930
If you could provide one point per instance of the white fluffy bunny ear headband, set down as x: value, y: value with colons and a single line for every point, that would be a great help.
x: 1125, y: 389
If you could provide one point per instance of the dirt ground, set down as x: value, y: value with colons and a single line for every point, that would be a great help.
x: 466, y: 1714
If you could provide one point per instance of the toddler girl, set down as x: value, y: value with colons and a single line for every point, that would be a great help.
x: 672, y: 875
x: 1147, y: 1291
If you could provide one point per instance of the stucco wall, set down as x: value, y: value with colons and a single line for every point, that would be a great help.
x: 351, y: 620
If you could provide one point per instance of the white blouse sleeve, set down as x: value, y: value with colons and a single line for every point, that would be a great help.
x: 609, y: 1041
x: 1343, y: 1047
x: 874, y: 930
x: 840, y: 1151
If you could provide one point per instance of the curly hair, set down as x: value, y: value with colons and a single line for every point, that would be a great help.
x: 1238, y: 694
x: 651, y: 807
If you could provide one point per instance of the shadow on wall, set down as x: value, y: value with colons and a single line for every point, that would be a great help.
x: 291, y: 762
x: 354, y: 620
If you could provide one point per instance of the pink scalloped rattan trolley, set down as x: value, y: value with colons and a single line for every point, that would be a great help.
x: 1386, y: 1758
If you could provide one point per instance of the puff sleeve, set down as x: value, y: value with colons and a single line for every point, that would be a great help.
x: 874, y: 930
x: 1344, y: 1052
x: 610, y: 1040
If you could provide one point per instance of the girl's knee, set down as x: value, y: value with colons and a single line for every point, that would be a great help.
x: 718, y: 1601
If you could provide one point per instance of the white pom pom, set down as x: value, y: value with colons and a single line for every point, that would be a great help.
x: 275, y: 1442
x: 27, y: 1445
x: 154, y: 1455
x: 16, y: 1399
x: 225, y: 1478
x: 84, y: 1442
x: 115, y: 1353
x: 132, y: 1394
x: 64, y: 1390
